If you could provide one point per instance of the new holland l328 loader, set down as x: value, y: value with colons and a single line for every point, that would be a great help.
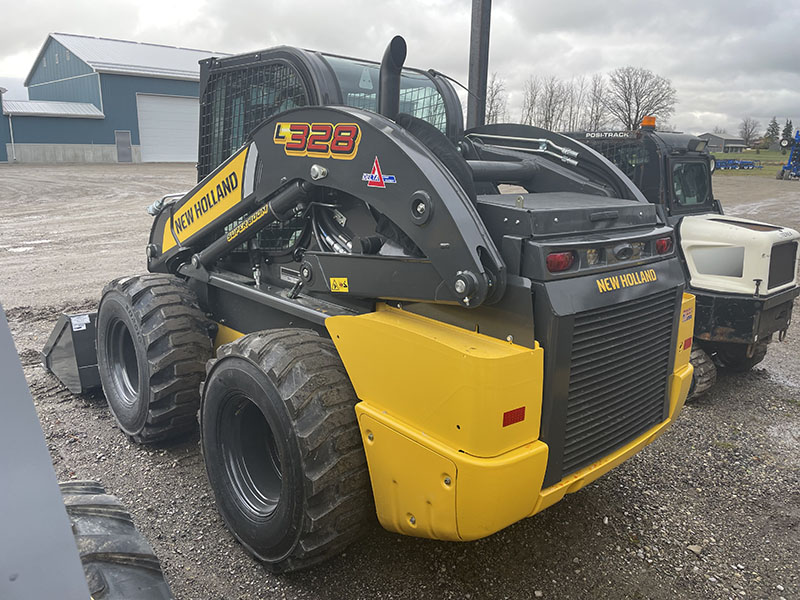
x: 742, y: 272
x: 366, y: 325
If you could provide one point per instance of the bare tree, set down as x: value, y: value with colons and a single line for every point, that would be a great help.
x: 496, y: 100
x: 596, y: 114
x: 718, y: 129
x: 530, y: 101
x: 553, y: 101
x: 575, y: 92
x: 747, y: 130
x: 634, y: 92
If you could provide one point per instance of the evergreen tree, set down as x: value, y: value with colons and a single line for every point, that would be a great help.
x: 788, y: 130
x: 773, y: 131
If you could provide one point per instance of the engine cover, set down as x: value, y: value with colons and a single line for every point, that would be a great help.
x: 738, y: 256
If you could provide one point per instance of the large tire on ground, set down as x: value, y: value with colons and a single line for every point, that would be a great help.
x: 779, y: 175
x: 734, y: 356
x: 705, y: 373
x: 118, y: 562
x: 152, y: 345
x: 282, y: 448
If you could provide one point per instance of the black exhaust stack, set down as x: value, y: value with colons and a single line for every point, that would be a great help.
x: 478, y: 62
x: 389, y: 82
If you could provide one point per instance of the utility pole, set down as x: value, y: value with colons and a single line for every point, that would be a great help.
x: 478, y: 62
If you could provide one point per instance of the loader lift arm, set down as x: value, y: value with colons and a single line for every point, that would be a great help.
x: 283, y: 169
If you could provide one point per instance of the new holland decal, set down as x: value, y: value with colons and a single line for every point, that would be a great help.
x: 221, y: 193
x: 318, y: 140
x: 376, y: 178
x: 615, y: 282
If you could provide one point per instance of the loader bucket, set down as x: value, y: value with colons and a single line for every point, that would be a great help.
x: 70, y: 353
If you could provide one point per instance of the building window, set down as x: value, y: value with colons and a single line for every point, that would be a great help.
x: 67, y: 54
x: 56, y: 57
x: 44, y: 62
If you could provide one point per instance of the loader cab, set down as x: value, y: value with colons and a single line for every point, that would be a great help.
x: 672, y: 170
x: 240, y: 92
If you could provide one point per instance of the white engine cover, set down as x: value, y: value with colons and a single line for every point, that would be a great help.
x: 727, y: 254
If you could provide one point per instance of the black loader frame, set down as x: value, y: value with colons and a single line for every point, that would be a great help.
x: 375, y: 327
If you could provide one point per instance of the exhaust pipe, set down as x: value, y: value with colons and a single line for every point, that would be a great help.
x: 389, y: 81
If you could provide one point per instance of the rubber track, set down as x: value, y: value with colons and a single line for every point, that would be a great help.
x: 176, y: 334
x: 705, y: 373
x: 319, y: 397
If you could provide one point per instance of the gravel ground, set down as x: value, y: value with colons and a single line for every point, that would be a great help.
x: 710, y: 510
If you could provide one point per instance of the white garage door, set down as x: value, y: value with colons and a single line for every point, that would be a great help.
x: 168, y: 128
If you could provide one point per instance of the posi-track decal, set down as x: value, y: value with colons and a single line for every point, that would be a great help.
x: 210, y: 202
x: 615, y: 282
x: 319, y: 140
x: 377, y: 179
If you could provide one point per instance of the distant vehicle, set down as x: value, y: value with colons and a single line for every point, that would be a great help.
x: 725, y: 164
x: 742, y: 272
x: 791, y: 170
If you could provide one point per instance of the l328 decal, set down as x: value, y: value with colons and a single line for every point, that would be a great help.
x: 319, y: 140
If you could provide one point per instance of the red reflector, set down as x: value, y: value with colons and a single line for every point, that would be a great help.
x: 560, y: 261
x: 687, y: 343
x: 513, y: 416
x: 663, y: 245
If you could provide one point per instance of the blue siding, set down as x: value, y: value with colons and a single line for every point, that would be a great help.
x: 84, y: 88
x: 68, y: 64
x: 119, y: 104
x: 60, y: 130
x: 119, y: 98
x: 5, y: 137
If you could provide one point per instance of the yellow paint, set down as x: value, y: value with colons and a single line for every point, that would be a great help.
x: 225, y: 335
x: 679, y: 388
x: 685, y: 331
x: 419, y: 378
x: 452, y: 384
x: 615, y: 282
x: 203, y: 206
x: 339, y: 284
x: 410, y: 473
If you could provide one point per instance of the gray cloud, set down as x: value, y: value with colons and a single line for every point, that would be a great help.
x: 727, y: 59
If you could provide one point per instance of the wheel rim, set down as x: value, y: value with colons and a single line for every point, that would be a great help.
x: 123, y: 364
x: 250, y: 456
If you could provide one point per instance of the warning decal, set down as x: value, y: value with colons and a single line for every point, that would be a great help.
x: 339, y: 284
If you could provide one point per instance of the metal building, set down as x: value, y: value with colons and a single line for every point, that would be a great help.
x: 102, y: 100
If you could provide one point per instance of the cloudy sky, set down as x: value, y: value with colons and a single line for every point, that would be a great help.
x: 727, y: 58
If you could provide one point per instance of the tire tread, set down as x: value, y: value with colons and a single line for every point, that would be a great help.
x: 319, y: 398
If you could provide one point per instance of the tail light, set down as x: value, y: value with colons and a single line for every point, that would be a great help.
x: 560, y: 261
x: 664, y: 245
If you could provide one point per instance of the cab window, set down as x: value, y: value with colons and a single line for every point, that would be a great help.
x: 419, y: 97
x: 690, y: 183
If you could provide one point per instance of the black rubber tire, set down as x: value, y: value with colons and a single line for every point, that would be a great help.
x: 118, y: 562
x: 152, y: 345
x: 282, y: 448
x: 734, y: 356
x: 779, y: 174
x: 705, y: 373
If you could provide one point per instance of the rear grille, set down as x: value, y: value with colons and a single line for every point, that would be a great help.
x: 781, y: 264
x: 618, y: 376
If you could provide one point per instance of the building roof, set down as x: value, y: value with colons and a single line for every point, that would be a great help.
x: 41, y: 108
x: 123, y: 57
x: 729, y: 141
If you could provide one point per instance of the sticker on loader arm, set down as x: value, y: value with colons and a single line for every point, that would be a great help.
x: 339, y: 284
x: 210, y: 200
x: 319, y: 140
